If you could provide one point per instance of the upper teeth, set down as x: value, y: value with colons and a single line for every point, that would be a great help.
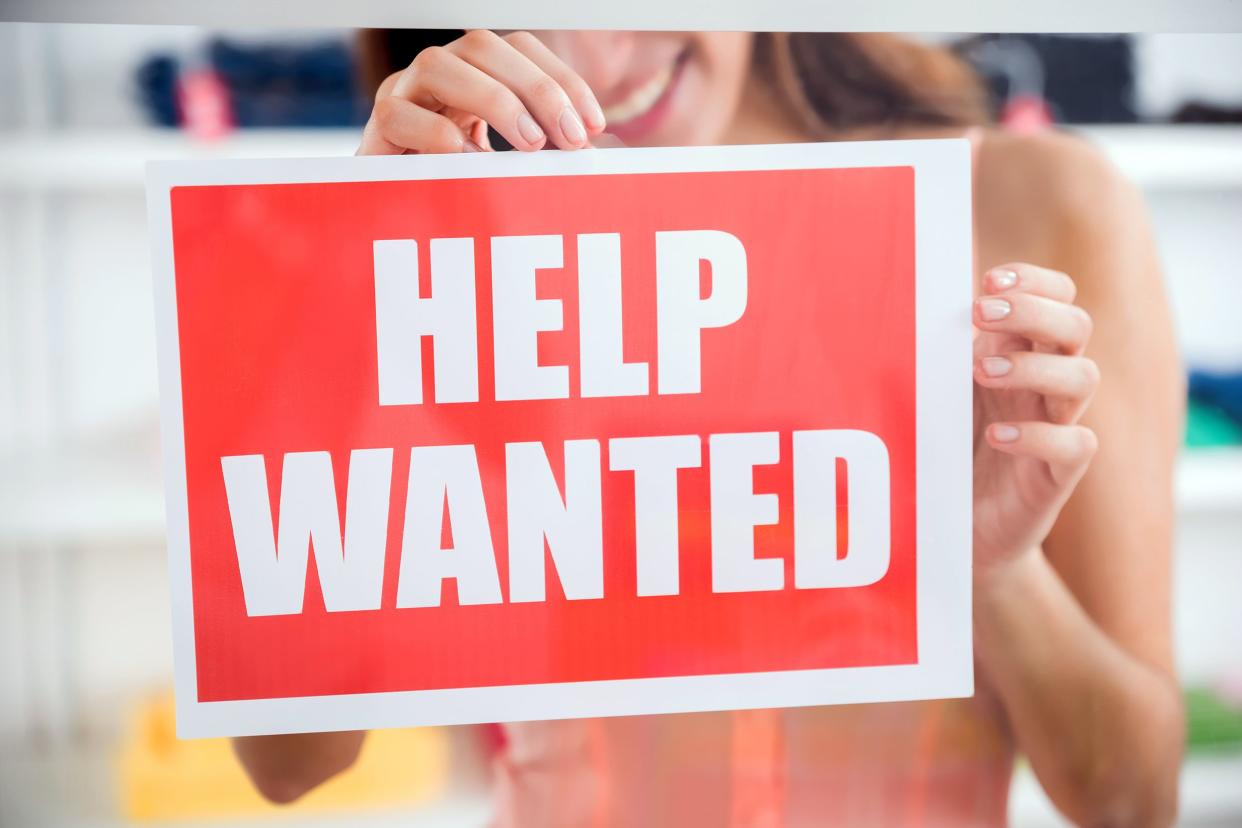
x: 641, y: 99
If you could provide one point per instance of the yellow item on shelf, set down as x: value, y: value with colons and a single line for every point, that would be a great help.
x: 164, y: 778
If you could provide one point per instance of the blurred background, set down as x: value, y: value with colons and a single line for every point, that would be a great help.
x: 86, y: 731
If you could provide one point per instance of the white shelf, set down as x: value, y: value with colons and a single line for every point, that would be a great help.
x: 79, y: 160
x: 1173, y: 156
x: 1210, y: 480
x: 1191, y: 157
x: 56, y: 499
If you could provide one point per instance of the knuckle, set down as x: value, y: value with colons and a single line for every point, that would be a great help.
x: 575, y: 86
x: 1085, y: 323
x: 1068, y: 284
x: 1091, y: 373
x: 499, y: 98
x: 545, y: 90
x: 521, y: 38
x: 385, y: 114
x: 1088, y: 443
x: 478, y: 38
x: 476, y: 43
x: 387, y: 84
x: 430, y: 58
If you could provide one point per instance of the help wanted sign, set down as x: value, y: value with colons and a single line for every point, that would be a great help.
x: 499, y: 437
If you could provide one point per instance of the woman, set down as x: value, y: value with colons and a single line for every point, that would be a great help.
x: 1072, y: 534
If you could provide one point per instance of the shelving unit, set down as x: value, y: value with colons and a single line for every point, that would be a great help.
x: 1210, y: 481
x: 92, y: 160
x: 1173, y: 156
x: 80, y: 497
x: 84, y: 496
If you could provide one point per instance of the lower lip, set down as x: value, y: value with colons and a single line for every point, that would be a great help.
x: 638, y: 127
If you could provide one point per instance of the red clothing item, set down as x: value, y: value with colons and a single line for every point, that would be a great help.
x: 935, y: 764
x: 929, y: 764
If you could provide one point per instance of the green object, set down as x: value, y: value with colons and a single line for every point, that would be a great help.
x: 1212, y: 724
x: 1207, y: 425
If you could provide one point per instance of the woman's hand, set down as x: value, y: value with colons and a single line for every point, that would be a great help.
x: 446, y: 98
x: 1031, y: 386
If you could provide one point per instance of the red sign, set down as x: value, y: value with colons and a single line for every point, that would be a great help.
x: 547, y: 427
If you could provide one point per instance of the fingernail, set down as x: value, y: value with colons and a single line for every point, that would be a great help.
x: 571, y: 127
x: 996, y: 366
x: 530, y: 130
x: 1003, y: 433
x: 1003, y: 279
x: 593, y: 114
x: 470, y: 146
x: 992, y: 310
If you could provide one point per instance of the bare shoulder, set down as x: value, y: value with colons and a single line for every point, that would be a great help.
x: 1054, y: 198
x: 1041, y: 153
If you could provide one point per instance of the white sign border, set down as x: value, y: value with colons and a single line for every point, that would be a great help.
x: 943, y: 259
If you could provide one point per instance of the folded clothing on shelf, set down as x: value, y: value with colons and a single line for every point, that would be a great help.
x: 268, y: 85
x: 1214, y: 417
x: 165, y: 779
x: 1213, y: 720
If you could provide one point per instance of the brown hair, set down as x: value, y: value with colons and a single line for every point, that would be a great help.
x: 833, y: 82
x: 836, y: 82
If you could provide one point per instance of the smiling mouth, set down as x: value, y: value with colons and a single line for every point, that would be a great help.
x: 641, y: 100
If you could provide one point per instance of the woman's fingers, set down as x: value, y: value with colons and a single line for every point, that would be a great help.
x: 386, y: 85
x: 513, y: 83
x: 1071, y: 378
x: 579, y: 92
x: 396, y: 125
x: 373, y: 143
x: 1047, y: 322
x: 542, y: 95
x: 1067, y: 449
x: 1036, y: 304
x: 1041, y: 281
x: 439, y: 79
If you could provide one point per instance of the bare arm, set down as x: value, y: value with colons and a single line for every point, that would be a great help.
x: 285, y: 767
x: 1075, y: 636
x: 1101, y: 729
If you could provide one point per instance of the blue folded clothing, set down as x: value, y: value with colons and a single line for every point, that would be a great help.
x: 1220, y: 389
x: 269, y: 85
